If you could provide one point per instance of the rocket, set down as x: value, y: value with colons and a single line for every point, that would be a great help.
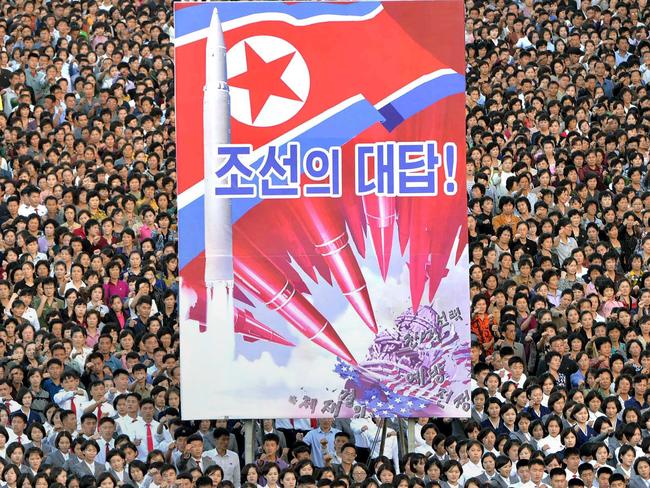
x: 216, y: 132
x: 380, y: 215
x: 323, y: 222
x: 262, y: 278
x: 218, y: 276
x: 253, y: 330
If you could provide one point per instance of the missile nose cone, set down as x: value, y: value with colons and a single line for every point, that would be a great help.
x: 277, y: 338
x: 247, y: 325
x: 215, y: 54
x: 382, y: 240
x: 215, y: 36
x: 360, y: 301
x: 329, y: 340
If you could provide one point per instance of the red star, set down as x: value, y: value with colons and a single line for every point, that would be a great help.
x: 263, y: 79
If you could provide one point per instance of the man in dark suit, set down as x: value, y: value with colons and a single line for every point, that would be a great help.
x: 194, y: 458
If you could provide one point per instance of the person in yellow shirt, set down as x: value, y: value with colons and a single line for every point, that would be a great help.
x: 507, y: 215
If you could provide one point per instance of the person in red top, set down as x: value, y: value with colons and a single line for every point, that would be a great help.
x: 115, y: 285
x: 482, y: 324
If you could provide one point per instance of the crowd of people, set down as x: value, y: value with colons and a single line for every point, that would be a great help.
x: 558, y: 115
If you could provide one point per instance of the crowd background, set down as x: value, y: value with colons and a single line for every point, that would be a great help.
x: 557, y: 115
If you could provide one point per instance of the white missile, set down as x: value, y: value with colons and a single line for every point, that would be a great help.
x: 216, y: 132
x: 219, y: 278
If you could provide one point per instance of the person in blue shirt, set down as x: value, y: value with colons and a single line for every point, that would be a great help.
x: 321, y: 441
x: 52, y: 384
x: 601, y: 80
x: 584, y: 432
x: 639, y: 398
x: 622, y: 54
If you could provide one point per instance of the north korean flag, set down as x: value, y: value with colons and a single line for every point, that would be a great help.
x: 291, y: 66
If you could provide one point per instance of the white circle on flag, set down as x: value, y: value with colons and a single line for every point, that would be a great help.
x: 294, y: 82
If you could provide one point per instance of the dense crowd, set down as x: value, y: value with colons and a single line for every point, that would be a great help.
x: 557, y: 115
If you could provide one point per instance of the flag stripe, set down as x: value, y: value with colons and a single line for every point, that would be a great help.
x: 420, y: 97
x: 198, y: 16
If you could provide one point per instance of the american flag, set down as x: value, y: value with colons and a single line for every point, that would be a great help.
x: 410, y: 368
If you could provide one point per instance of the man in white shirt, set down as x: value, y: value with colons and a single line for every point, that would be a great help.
x: 228, y: 460
x: 121, y: 382
x: 105, y: 442
x: 571, y: 461
x: 17, y: 431
x: 645, y: 67
x: 143, y: 432
x: 97, y: 403
x: 5, y: 396
x: 71, y: 397
x: 31, y: 197
x: 370, y: 430
x: 537, y: 473
x: 23, y: 308
x: 127, y: 408
x: 523, y: 473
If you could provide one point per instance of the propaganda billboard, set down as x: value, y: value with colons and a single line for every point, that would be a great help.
x: 322, y: 209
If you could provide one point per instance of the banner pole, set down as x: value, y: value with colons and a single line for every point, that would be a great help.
x: 402, y: 437
x: 384, y: 430
x: 410, y: 438
x: 249, y: 455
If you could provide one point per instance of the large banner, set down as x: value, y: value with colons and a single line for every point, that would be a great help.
x: 335, y: 147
